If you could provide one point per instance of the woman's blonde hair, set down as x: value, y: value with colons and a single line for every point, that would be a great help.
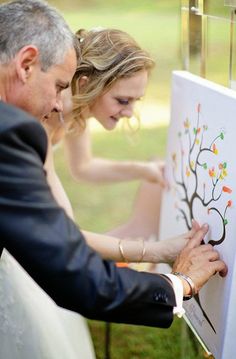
x: 107, y: 55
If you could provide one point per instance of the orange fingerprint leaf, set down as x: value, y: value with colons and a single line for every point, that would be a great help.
x: 226, y: 189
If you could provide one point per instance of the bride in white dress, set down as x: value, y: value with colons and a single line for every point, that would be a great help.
x: 32, y: 326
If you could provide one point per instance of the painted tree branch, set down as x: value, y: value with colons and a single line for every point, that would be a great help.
x: 191, y: 163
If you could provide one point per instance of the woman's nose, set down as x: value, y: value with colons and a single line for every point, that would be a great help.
x: 127, y: 111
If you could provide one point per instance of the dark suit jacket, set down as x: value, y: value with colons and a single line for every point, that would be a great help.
x: 51, y: 248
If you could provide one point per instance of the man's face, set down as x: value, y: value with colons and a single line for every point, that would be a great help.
x: 41, y: 93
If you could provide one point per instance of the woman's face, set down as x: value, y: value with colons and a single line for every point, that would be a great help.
x: 119, y: 101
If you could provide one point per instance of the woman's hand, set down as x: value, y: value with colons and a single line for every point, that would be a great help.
x: 154, y: 172
x: 166, y: 251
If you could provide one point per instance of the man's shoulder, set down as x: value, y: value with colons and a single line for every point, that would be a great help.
x: 13, y: 117
x: 18, y: 127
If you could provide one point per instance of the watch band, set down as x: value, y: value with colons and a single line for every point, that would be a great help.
x: 190, y: 283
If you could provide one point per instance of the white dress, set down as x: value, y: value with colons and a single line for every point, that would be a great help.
x: 32, y: 326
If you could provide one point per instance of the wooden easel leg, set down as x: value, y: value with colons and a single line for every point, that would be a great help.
x: 107, y: 341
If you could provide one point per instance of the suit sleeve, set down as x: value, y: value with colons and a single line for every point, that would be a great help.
x: 51, y: 248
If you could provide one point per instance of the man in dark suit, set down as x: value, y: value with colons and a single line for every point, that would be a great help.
x: 37, y: 61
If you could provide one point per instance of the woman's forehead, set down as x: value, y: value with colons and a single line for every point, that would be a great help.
x: 133, y: 86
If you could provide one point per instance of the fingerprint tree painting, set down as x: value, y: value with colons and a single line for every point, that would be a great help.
x: 198, y: 158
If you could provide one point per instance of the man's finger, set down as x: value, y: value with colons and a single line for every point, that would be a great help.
x: 207, y: 255
x: 203, y: 253
x: 220, y: 267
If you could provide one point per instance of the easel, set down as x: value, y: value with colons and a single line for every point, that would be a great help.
x: 196, y: 15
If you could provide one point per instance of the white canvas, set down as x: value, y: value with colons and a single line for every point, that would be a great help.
x: 201, y: 170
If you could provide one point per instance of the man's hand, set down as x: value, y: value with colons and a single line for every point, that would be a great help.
x: 199, y: 261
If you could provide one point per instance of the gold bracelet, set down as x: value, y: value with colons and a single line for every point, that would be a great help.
x: 122, y: 252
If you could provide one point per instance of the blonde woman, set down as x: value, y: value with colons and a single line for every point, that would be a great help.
x: 111, y: 77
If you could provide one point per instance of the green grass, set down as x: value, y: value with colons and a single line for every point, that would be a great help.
x: 92, y: 201
x: 133, y: 342
x: 122, y: 5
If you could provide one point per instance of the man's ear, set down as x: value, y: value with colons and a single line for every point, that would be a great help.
x: 26, y: 60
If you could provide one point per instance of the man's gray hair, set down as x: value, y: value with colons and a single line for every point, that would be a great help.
x: 34, y: 22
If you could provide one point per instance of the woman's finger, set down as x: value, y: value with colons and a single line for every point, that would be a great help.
x: 194, y: 229
x: 198, y: 237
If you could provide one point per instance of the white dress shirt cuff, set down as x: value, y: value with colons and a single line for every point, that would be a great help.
x: 178, y: 289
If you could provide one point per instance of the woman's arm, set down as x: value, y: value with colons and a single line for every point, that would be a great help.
x: 138, y: 250
x: 84, y: 166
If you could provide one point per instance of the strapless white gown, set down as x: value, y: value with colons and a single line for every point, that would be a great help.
x: 32, y: 326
